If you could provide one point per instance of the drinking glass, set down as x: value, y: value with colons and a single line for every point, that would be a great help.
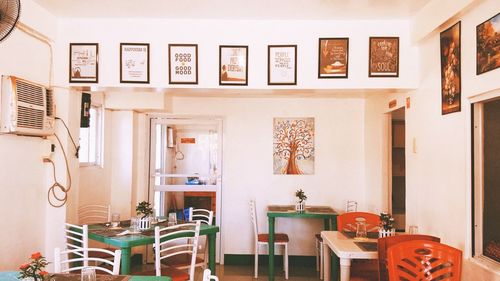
x: 134, y: 224
x: 88, y: 274
x: 361, y: 228
x: 115, y: 219
x: 172, y: 219
x: 413, y: 229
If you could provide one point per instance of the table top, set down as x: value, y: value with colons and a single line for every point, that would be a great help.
x: 12, y: 276
x: 345, y: 247
x: 310, y: 211
x: 108, y: 235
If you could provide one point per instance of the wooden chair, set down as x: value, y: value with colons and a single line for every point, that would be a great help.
x: 93, y: 213
x: 385, y: 242
x: 77, y: 240
x: 207, y: 276
x: 69, y: 260
x: 347, y: 221
x: 424, y: 260
x: 262, y: 239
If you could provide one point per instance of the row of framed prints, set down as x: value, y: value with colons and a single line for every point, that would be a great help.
x: 333, y: 62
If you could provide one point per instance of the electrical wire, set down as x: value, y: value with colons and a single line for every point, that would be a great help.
x: 77, y: 148
x: 58, y: 201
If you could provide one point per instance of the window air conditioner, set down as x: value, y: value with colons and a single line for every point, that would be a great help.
x: 26, y: 108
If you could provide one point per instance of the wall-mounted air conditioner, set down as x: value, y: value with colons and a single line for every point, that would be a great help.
x: 26, y: 108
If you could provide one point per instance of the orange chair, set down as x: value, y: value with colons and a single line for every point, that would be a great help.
x: 347, y: 221
x: 385, y: 242
x: 424, y: 260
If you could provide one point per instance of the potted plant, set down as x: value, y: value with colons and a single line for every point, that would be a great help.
x: 34, y: 270
x: 144, y: 210
x: 301, y: 198
x: 386, y: 225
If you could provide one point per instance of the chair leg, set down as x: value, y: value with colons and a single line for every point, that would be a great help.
x: 317, y: 255
x: 285, y: 260
x: 321, y: 258
x: 256, y: 261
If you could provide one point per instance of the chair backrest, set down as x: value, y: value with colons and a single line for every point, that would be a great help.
x: 176, y: 240
x: 347, y: 221
x: 207, y: 275
x: 203, y: 215
x: 77, y: 239
x: 424, y: 260
x: 69, y: 260
x: 351, y: 206
x: 90, y: 214
x: 385, y: 242
x: 253, y: 216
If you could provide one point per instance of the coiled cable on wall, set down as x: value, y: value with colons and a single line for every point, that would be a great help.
x: 58, y: 202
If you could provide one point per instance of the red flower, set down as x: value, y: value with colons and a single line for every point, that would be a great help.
x: 24, y: 266
x: 36, y: 255
x: 43, y: 273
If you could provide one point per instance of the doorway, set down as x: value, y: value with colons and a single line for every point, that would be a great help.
x: 397, y: 181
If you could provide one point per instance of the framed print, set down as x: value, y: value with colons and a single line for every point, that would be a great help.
x: 233, y: 65
x: 384, y: 57
x: 183, y: 64
x: 488, y: 46
x: 134, y: 63
x: 450, y: 69
x: 83, y: 62
x: 282, y: 65
x: 333, y: 57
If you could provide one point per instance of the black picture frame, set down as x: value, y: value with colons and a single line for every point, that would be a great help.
x: 383, y: 57
x: 274, y: 64
x: 176, y: 75
x: 144, y: 77
x: 487, y: 52
x: 333, y: 58
x: 83, y: 63
x: 228, y: 61
x: 451, y: 77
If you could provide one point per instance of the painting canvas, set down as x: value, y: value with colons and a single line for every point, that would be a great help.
x: 333, y: 57
x: 293, y: 147
x: 488, y: 45
x: 450, y: 70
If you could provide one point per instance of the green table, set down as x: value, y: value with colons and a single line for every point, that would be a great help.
x: 326, y: 213
x: 12, y: 276
x: 99, y: 232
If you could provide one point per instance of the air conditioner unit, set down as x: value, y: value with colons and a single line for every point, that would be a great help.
x: 26, y: 108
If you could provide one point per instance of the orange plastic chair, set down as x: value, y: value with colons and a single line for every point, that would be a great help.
x: 385, y: 242
x: 424, y: 260
x: 347, y: 221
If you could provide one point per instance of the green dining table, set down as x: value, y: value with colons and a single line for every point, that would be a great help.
x: 12, y: 276
x: 108, y: 235
x: 327, y: 214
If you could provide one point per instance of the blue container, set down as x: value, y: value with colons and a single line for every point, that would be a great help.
x: 186, y: 214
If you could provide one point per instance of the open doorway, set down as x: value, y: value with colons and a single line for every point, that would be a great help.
x: 397, y: 182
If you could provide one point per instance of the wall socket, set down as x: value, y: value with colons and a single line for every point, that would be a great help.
x: 47, y: 148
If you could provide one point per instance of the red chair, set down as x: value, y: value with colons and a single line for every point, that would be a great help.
x: 347, y: 221
x: 424, y: 260
x: 385, y: 242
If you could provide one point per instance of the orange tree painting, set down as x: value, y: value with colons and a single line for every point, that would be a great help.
x: 293, y: 146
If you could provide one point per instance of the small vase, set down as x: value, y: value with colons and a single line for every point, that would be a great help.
x: 300, y: 206
x: 386, y: 233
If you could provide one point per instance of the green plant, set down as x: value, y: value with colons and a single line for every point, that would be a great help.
x: 386, y: 221
x: 34, y: 268
x: 144, y: 208
x: 301, y: 195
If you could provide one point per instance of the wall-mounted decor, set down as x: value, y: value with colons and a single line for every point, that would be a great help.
x: 83, y: 62
x: 183, y: 63
x: 134, y: 63
x: 282, y: 65
x: 293, y: 146
x: 233, y: 65
x: 333, y: 57
x: 488, y: 45
x: 450, y: 70
x: 384, y: 57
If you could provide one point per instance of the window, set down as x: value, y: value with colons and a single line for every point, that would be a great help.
x: 486, y: 193
x: 91, y: 139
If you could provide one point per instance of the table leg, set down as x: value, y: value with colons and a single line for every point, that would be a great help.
x: 211, y: 252
x: 345, y: 269
x: 271, y: 248
x: 326, y: 262
x: 125, y: 261
x: 326, y: 224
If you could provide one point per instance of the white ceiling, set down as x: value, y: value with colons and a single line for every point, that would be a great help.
x: 236, y: 9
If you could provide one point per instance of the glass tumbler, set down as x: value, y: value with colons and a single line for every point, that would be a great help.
x: 361, y: 228
x: 115, y: 219
x: 88, y: 274
x: 413, y: 229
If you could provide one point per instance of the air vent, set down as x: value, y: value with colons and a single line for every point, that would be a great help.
x: 29, y: 93
x: 50, y: 103
x: 30, y: 117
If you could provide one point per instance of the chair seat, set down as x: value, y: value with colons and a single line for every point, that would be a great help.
x: 278, y: 237
x: 175, y: 274
x: 181, y: 261
x: 318, y: 237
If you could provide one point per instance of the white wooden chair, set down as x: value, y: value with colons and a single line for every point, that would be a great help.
x: 77, y: 240
x: 93, y: 213
x: 207, y: 275
x: 262, y: 239
x: 69, y: 260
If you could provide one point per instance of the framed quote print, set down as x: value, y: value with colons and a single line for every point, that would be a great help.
x: 282, y: 65
x: 134, y: 63
x: 384, y: 57
x: 233, y: 65
x: 333, y: 57
x: 451, y: 79
x: 183, y: 63
x: 83, y: 62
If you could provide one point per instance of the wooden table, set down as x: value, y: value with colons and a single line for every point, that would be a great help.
x: 326, y: 213
x: 101, y: 233
x: 12, y: 276
x: 346, y: 249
